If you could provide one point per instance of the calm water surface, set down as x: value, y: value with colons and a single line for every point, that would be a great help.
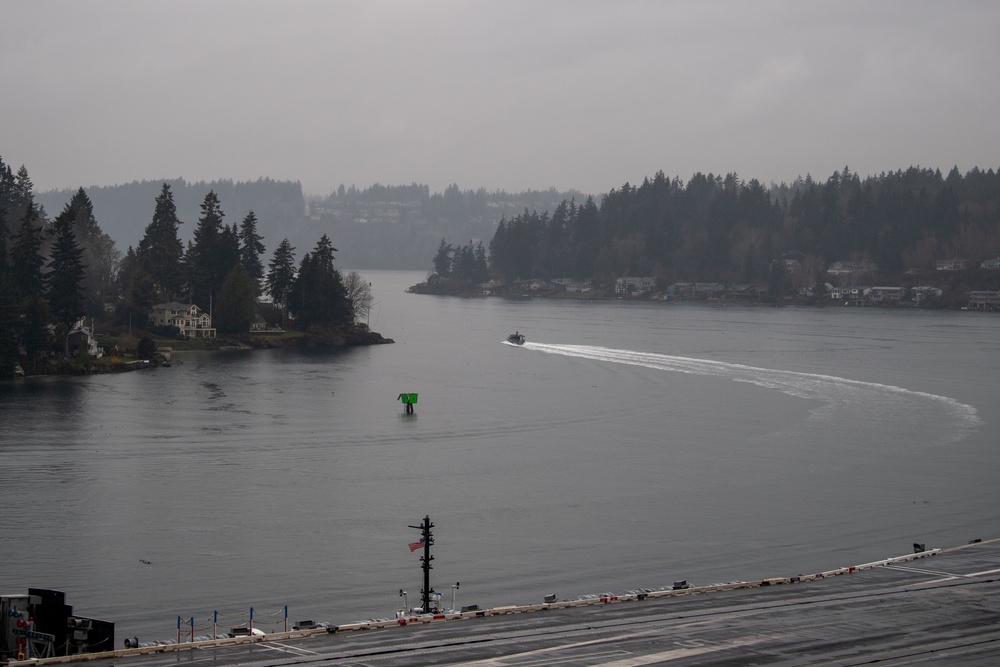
x: 624, y: 445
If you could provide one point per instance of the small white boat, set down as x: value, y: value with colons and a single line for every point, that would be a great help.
x: 516, y: 338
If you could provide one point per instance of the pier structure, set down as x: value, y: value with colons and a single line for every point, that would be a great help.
x: 935, y: 606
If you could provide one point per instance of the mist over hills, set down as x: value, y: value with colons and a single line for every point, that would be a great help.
x: 712, y: 227
x: 379, y: 227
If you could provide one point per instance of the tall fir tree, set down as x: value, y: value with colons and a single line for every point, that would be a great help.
x: 8, y: 198
x: 24, y: 189
x: 100, y: 255
x: 235, y: 311
x: 26, y: 261
x: 442, y: 260
x: 27, y: 285
x: 64, y: 280
x: 9, y: 353
x: 318, y: 296
x: 281, y: 274
x: 251, y: 248
x: 211, y: 254
x: 160, y: 252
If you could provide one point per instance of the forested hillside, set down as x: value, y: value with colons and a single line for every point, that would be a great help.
x: 60, y: 278
x: 398, y: 227
x: 721, y: 228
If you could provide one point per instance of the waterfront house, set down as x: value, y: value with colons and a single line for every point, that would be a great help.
x: 851, y: 293
x: 925, y: 292
x: 886, y: 294
x: 81, y: 334
x: 187, y: 317
x: 984, y: 300
x: 634, y: 285
x: 571, y: 285
x: 709, y: 289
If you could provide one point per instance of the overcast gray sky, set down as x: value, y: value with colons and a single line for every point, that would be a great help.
x: 505, y: 95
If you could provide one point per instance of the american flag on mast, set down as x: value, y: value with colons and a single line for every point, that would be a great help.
x: 417, y: 545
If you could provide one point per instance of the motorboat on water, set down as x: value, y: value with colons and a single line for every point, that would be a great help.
x: 516, y: 338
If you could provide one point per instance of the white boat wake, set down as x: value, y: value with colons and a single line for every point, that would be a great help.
x: 829, y: 390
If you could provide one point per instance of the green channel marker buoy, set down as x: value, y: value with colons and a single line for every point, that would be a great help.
x: 409, y: 400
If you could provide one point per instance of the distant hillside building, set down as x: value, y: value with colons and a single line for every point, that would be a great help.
x: 951, y: 264
x: 846, y: 268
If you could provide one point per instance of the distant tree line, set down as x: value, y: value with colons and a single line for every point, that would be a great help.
x: 419, y: 219
x: 52, y: 273
x: 221, y: 270
x: 465, y: 264
x: 124, y: 208
x: 453, y: 204
x: 721, y: 228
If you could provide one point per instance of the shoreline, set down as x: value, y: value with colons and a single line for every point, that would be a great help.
x: 466, y: 292
x: 356, y: 336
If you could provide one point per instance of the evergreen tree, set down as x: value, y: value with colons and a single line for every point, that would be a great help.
x: 777, y: 279
x: 8, y: 198
x: 23, y: 187
x: 129, y: 265
x: 318, y: 296
x: 212, y: 253
x: 323, y: 254
x: 4, y: 262
x: 251, y: 248
x: 34, y: 330
x: 480, y: 265
x: 64, y: 281
x: 442, y: 260
x: 140, y: 297
x: 228, y: 251
x: 281, y: 274
x: 160, y: 252
x: 99, y: 253
x: 234, y: 311
x: 26, y: 261
x: 9, y: 353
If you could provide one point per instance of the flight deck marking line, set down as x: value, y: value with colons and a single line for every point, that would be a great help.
x: 937, y: 573
x: 573, y: 658
x: 950, y: 575
x: 983, y: 573
x: 635, y: 660
x: 285, y: 648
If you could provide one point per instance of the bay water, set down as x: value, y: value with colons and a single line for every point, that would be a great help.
x: 624, y: 445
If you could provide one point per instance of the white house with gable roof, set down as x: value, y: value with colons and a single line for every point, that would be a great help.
x: 191, y: 320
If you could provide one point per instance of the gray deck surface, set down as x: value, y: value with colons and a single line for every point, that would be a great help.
x: 940, y: 610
